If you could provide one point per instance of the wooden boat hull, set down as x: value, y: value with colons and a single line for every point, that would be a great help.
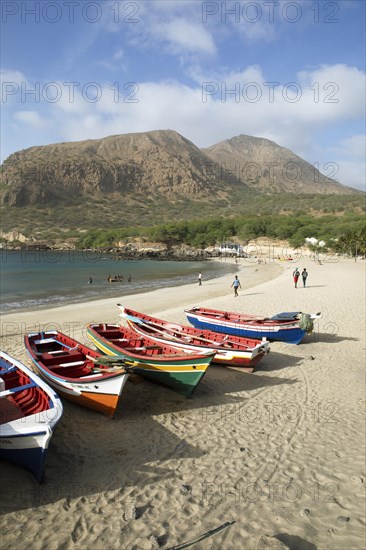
x: 24, y: 438
x: 101, y: 401
x: 181, y: 372
x: 94, y: 390
x: 289, y: 332
x: 238, y: 352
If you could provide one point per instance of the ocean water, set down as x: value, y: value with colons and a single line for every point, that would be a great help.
x: 45, y: 278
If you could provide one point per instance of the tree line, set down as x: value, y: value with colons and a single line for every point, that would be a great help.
x: 344, y: 234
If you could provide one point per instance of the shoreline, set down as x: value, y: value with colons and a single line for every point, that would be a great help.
x: 169, y: 295
x: 125, y: 290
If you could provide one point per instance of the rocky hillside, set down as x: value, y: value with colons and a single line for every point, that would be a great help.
x: 156, y: 165
x: 269, y: 168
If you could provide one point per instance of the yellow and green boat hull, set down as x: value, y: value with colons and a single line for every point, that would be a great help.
x: 182, y: 373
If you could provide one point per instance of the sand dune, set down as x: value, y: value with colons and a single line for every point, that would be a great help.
x: 280, y: 452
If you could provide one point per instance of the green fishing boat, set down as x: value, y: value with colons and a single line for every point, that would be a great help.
x: 164, y: 364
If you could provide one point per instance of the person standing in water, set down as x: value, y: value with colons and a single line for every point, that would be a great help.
x: 200, y: 279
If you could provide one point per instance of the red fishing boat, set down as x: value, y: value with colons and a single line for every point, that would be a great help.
x: 229, y: 350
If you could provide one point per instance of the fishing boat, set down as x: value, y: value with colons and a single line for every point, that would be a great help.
x: 229, y: 350
x: 289, y: 327
x: 77, y: 372
x: 29, y: 412
x: 161, y: 363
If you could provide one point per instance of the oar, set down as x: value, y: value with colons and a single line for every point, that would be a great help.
x: 131, y: 319
x: 227, y: 317
x: 163, y: 332
x: 194, y: 336
x: 222, y: 344
x: 153, y: 326
x: 142, y: 348
x: 157, y: 328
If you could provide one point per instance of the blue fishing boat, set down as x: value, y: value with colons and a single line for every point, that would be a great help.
x: 290, y: 327
x: 29, y: 412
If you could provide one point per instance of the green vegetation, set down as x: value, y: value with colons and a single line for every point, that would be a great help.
x: 116, y: 211
x: 282, y: 216
x: 346, y: 234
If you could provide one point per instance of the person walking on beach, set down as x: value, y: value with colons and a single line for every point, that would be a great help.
x: 236, y: 284
x: 296, y: 275
x: 304, y: 275
x: 200, y: 279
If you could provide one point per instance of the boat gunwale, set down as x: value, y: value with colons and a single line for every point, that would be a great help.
x: 240, y: 320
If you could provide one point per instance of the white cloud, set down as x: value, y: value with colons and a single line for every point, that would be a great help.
x: 32, y: 118
x: 115, y: 63
x: 11, y: 76
x: 335, y: 92
x: 183, y: 36
x: 119, y: 54
x: 172, y: 27
x: 206, y: 118
x: 11, y: 85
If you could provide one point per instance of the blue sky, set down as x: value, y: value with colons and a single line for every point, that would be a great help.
x: 289, y: 71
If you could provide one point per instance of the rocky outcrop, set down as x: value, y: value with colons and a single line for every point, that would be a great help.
x: 12, y: 236
x: 158, y: 251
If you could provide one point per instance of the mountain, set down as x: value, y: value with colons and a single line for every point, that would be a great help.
x: 155, y: 164
x: 270, y: 168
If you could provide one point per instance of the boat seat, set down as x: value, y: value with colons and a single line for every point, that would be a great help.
x: 6, y: 393
x: 71, y: 364
x: 44, y: 341
x: 6, y: 367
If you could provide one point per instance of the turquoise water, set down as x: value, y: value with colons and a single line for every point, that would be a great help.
x: 45, y: 278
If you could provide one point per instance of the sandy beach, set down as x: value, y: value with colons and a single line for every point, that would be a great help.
x: 279, y: 452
